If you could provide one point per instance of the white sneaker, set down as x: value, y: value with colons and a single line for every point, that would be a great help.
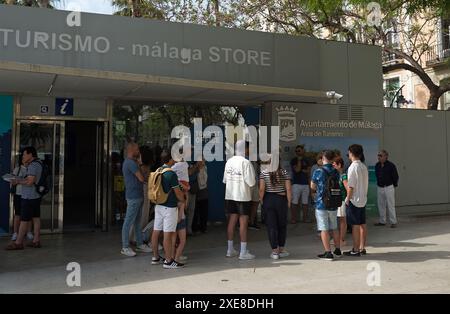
x: 274, y: 256
x: 246, y: 256
x: 30, y: 236
x: 128, y: 252
x: 233, y: 253
x: 183, y: 258
x: 14, y: 237
x: 284, y: 254
x: 144, y: 248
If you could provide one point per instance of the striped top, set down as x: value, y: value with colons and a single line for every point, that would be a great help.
x: 279, y: 186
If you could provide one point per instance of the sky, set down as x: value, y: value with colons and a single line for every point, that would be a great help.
x: 91, y: 6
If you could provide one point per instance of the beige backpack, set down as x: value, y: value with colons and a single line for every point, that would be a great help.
x: 156, y: 193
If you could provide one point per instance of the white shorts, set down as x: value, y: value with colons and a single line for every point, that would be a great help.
x: 166, y: 218
x: 300, y: 192
x: 341, y: 210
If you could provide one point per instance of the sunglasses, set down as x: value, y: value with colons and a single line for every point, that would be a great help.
x: 379, y: 155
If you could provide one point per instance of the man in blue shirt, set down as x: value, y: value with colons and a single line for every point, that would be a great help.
x: 134, y: 193
x: 326, y: 217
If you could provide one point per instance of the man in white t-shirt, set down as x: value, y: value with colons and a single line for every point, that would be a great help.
x: 239, y: 178
x: 358, y: 183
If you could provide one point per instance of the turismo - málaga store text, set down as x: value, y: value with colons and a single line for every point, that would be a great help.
x: 158, y: 49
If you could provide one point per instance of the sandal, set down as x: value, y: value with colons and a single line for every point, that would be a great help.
x: 14, y: 247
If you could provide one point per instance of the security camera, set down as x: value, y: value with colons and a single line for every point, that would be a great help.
x: 334, y: 95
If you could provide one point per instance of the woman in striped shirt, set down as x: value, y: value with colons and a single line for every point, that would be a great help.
x: 275, y: 195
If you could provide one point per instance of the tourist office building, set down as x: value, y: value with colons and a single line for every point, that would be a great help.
x: 79, y: 86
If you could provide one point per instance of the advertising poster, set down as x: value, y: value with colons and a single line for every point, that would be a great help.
x: 6, y: 116
x: 314, y: 145
x: 321, y: 128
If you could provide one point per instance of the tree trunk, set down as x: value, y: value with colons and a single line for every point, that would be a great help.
x: 43, y: 3
x: 217, y: 12
x: 134, y: 8
x: 435, y: 94
x: 433, y: 101
x: 435, y: 91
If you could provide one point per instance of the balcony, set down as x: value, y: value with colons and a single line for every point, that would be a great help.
x: 391, y: 58
x: 437, y: 55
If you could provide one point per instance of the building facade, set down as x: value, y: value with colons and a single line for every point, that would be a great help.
x: 404, y: 89
x: 78, y: 93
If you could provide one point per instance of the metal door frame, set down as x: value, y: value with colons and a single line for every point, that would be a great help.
x: 60, y: 157
x: 102, y: 169
x: 101, y: 193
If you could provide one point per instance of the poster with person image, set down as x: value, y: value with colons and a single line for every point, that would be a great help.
x: 314, y: 145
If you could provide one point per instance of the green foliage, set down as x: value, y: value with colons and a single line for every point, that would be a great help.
x: 32, y: 3
x: 207, y: 12
x: 140, y: 8
x: 151, y: 124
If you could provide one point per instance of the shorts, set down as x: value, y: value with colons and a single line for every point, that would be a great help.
x: 300, y: 192
x: 166, y: 218
x: 182, y: 225
x: 326, y: 220
x: 341, y: 210
x: 356, y: 215
x: 17, y: 201
x: 30, y: 209
x: 255, y: 193
x: 239, y: 208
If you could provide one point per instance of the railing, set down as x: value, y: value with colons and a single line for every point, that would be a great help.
x: 437, y: 54
x: 390, y: 58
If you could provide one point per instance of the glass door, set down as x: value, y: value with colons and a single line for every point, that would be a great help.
x: 48, y: 139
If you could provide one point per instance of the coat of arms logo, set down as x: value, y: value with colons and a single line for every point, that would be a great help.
x: 287, y: 121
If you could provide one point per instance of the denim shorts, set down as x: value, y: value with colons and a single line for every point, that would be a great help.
x: 326, y: 220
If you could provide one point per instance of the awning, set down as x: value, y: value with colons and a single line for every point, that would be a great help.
x: 43, y: 80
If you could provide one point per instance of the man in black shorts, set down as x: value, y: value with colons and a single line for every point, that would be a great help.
x: 239, y: 177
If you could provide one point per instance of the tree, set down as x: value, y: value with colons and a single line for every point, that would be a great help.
x: 151, y: 124
x: 206, y: 12
x: 31, y: 3
x: 348, y: 20
x: 140, y: 8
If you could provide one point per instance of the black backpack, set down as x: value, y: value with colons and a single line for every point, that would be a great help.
x: 42, y: 186
x: 332, y: 196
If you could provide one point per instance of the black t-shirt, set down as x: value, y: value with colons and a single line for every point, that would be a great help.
x: 299, y: 177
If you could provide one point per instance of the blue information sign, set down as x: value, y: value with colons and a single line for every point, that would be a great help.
x: 64, y: 107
